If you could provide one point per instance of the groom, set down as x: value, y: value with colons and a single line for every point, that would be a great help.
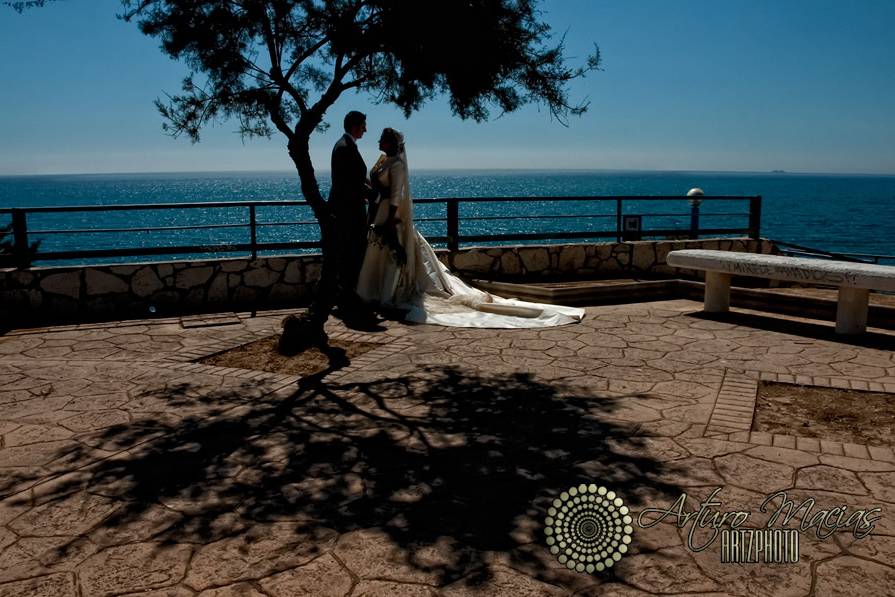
x: 347, y: 199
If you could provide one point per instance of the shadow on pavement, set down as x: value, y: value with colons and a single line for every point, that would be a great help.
x: 815, y: 331
x: 442, y: 461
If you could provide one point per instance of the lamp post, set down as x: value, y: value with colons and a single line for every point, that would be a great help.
x: 695, y: 199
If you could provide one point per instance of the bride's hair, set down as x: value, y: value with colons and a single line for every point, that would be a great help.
x: 396, y: 138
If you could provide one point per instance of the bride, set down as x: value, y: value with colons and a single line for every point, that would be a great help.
x: 400, y: 269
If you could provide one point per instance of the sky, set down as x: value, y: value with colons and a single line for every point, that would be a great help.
x: 709, y: 85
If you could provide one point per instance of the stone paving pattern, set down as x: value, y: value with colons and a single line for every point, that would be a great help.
x: 425, y: 466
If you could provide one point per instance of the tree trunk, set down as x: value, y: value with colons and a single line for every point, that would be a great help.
x: 304, y: 331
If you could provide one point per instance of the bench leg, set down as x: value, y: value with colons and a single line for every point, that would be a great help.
x: 717, y: 292
x: 851, y: 311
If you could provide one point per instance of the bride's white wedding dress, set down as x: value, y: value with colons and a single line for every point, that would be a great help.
x: 425, y: 287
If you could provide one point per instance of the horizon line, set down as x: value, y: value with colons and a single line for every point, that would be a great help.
x: 472, y: 170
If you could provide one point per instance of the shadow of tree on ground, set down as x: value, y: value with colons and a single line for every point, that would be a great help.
x: 441, y: 458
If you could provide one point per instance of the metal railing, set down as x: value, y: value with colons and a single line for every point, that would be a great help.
x: 621, y: 226
x: 794, y: 250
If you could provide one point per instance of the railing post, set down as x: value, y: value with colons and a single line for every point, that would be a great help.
x: 20, y: 238
x: 695, y: 199
x: 694, y: 220
x: 755, y: 217
x: 618, y: 220
x: 453, y: 225
x: 253, y: 228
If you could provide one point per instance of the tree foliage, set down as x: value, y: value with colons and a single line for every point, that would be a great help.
x: 283, y: 63
x: 22, y: 5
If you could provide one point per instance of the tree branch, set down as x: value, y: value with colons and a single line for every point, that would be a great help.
x: 304, y: 56
x: 354, y: 83
x: 273, y: 49
x: 277, y: 117
x: 349, y: 66
x: 272, y: 46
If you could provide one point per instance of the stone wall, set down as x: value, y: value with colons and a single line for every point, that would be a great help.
x: 590, y: 260
x: 195, y: 286
x: 180, y: 286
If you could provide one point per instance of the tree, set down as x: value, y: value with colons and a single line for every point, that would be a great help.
x: 279, y: 65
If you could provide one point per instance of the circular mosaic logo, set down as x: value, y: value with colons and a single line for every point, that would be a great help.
x: 588, y: 528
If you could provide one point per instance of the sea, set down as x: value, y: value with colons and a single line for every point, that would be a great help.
x: 836, y: 213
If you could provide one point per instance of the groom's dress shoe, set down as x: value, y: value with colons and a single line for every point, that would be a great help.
x: 357, y: 316
x: 363, y: 322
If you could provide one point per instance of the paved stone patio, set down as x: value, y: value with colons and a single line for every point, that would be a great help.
x: 426, y: 466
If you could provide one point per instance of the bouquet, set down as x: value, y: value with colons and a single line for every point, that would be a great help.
x: 386, y: 235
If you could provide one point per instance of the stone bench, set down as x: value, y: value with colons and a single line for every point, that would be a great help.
x: 855, y: 280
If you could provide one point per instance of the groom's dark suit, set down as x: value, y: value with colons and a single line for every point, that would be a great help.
x: 347, y: 199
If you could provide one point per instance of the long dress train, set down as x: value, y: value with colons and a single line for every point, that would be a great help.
x: 413, y: 279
